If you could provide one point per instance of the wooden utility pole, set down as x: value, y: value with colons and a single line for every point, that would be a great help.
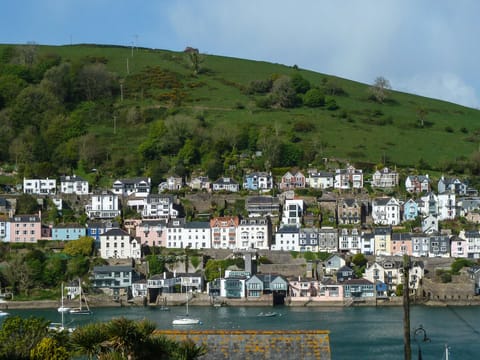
x: 406, y: 308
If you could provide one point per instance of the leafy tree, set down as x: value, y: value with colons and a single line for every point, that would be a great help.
x: 283, y: 92
x: 54, y: 270
x: 380, y: 88
x: 300, y: 84
x: 314, y: 98
x: 94, y: 82
x: 19, y: 336
x: 49, y: 348
x: 10, y: 86
x: 359, y: 260
x: 155, y: 264
x: 82, y: 246
x: 459, y: 264
x: 77, y: 266
x: 27, y: 204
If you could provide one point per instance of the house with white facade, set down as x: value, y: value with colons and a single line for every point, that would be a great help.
x: 103, y: 205
x: 447, y: 209
x: 385, y: 178
x: 200, y: 183
x: 192, y: 235
x: 349, y: 240
x: 452, y: 185
x: 118, y: 244
x: 367, y: 244
x: 226, y: 184
x: 386, y: 211
x: 472, y: 238
x: 349, y: 178
x: 173, y: 183
x: 321, y: 180
x: 293, y: 210
x: 287, y: 238
x: 73, y: 185
x: 40, y: 186
x: 254, y: 233
x: 159, y: 206
x: 138, y: 187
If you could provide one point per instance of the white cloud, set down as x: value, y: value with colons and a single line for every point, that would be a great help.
x: 444, y: 86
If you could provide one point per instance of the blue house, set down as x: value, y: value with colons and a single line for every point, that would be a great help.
x: 68, y: 232
x: 258, y: 181
x: 410, y: 210
x: 96, y: 228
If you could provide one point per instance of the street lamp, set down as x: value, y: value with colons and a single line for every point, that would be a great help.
x: 422, y: 334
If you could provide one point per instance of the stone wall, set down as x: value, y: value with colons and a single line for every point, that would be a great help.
x: 251, y: 344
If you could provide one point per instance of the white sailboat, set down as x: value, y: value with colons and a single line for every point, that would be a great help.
x: 186, y: 320
x: 62, y: 307
x: 81, y: 309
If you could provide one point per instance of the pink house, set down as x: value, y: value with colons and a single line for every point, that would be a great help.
x: 312, y: 291
x: 292, y: 181
x: 401, y: 244
x: 458, y: 247
x: 25, y: 229
x: 152, y: 232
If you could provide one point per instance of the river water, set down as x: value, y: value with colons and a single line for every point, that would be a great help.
x: 355, y: 332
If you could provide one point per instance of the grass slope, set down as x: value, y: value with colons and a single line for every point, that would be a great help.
x: 359, y: 131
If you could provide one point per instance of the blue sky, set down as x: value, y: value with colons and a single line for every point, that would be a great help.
x: 424, y: 47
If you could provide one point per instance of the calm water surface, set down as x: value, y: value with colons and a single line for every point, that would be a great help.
x: 355, y: 332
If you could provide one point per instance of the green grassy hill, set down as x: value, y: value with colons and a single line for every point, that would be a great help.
x: 159, y: 84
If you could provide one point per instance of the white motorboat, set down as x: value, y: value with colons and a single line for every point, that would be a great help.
x: 186, y: 320
x: 3, y: 313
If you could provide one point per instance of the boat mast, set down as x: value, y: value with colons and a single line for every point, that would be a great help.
x: 406, y: 308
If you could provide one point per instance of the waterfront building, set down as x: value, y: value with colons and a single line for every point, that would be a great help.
x: 116, y: 280
x: 382, y: 239
x: 472, y: 238
x: 287, y: 238
x: 349, y: 241
x: 328, y: 240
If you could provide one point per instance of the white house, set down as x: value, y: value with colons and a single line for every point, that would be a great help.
x: 73, y: 185
x: 39, y: 186
x: 226, y: 184
x: 385, y: 178
x: 254, y: 233
x: 118, y: 244
x: 103, y: 205
x: 139, y: 187
x: 287, y: 239
x: 321, y: 180
x: 447, y: 206
x: 193, y: 235
x: 349, y: 240
x: 349, y: 178
x: 158, y: 206
x: 293, y: 210
x: 386, y: 211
